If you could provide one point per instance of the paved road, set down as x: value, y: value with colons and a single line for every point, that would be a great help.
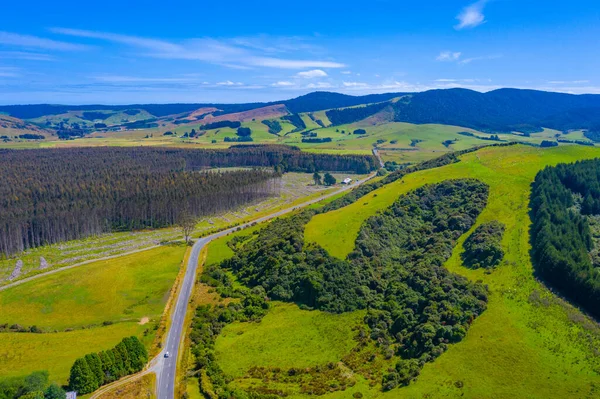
x: 376, y: 153
x: 166, y: 368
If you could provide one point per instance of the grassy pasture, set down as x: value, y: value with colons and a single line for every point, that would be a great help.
x: 286, y: 337
x: 22, y: 353
x: 528, y: 343
x: 124, y: 288
x: 396, y: 136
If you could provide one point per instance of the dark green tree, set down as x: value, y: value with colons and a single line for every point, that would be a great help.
x: 95, y: 364
x: 317, y: 178
x: 81, y: 379
x: 55, y: 392
x: 329, y: 180
x: 36, y: 381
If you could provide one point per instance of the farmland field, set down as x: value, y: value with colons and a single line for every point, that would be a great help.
x: 397, y: 141
x: 286, y: 337
x: 120, y: 289
x: 94, y: 306
x: 22, y: 353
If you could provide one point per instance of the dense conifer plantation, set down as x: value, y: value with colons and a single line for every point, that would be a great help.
x: 561, y: 237
x: 53, y: 195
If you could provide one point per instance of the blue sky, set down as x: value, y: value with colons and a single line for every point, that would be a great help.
x: 118, y: 52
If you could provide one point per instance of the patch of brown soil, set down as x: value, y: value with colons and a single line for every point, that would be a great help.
x: 272, y: 111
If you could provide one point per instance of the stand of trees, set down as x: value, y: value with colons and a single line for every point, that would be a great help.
x: 33, y: 386
x: 90, y: 372
x: 273, y: 125
x: 483, y: 248
x: 220, y: 125
x: 560, y: 234
x: 415, y: 307
x: 295, y: 120
x: 355, y: 114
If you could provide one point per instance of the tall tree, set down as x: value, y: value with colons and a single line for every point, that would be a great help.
x: 317, y: 178
x: 329, y: 180
x: 82, y: 380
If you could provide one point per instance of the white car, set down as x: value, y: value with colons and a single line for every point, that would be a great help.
x: 167, y: 354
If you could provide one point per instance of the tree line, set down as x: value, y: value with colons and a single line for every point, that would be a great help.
x: 560, y: 235
x: 94, y: 370
x: 354, y: 114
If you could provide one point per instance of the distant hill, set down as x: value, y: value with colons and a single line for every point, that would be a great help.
x: 503, y: 110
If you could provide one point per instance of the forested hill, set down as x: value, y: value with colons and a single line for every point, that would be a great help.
x: 501, y: 110
x: 307, y: 103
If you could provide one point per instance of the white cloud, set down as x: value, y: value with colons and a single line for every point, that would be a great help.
x: 27, y: 41
x: 320, y: 85
x: 136, y: 79
x: 471, y: 16
x: 230, y: 83
x: 235, y: 53
x: 152, y: 44
x: 354, y: 84
x: 566, y: 82
x: 292, y: 64
x: 445, y: 80
x: 315, y: 73
x: 481, y: 58
x: 9, y: 72
x: 346, y: 72
x: 25, y: 55
x: 448, y: 56
x: 283, y: 84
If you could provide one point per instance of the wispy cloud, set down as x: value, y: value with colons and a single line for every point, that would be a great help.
x: 448, y: 56
x: 27, y: 41
x: 320, y: 85
x: 9, y: 72
x: 471, y: 16
x: 229, y: 83
x: 24, y: 55
x: 152, y: 44
x: 346, y: 72
x: 567, y: 82
x: 137, y: 79
x: 283, y: 84
x: 355, y: 84
x: 235, y: 53
x: 480, y: 58
x: 315, y: 73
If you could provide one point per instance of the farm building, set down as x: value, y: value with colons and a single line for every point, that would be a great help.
x: 347, y: 180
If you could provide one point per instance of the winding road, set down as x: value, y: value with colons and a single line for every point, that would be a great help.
x: 166, y: 368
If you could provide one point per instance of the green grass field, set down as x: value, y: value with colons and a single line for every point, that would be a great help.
x: 124, y: 288
x: 521, y: 346
x: 394, y: 138
x: 286, y: 337
x: 22, y: 353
